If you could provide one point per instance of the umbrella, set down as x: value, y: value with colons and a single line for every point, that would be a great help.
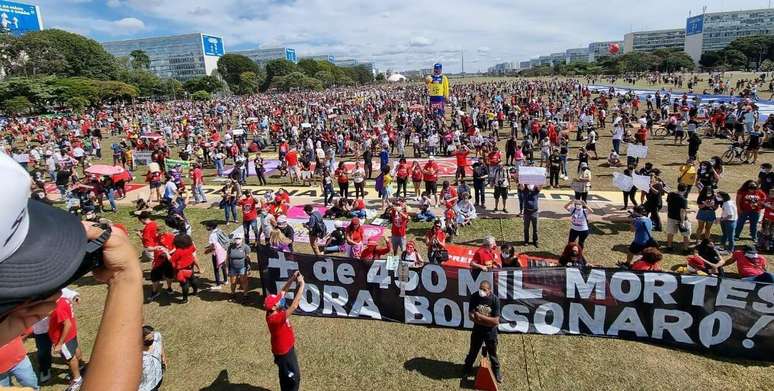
x: 104, y: 169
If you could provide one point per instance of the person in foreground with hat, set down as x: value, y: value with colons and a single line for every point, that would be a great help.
x: 283, y: 338
x: 44, y: 252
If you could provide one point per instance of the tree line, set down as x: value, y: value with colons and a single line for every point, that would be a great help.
x: 53, y: 70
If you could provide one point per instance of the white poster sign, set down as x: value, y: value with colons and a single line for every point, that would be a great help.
x: 532, y: 176
x: 623, y: 182
x: 637, y: 151
x: 641, y: 182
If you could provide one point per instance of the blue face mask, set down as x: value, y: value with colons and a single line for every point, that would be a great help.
x: 282, y: 304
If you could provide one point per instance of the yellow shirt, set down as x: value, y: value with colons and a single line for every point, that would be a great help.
x: 687, y: 174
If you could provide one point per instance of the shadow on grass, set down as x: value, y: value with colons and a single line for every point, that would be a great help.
x: 434, y: 369
x: 223, y: 383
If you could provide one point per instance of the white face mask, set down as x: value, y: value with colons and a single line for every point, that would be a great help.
x: 482, y: 293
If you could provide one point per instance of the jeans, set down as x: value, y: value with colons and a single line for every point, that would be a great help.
x: 478, y: 191
x: 564, y: 164
x: 328, y: 195
x: 402, y: 185
x: 617, y: 146
x: 43, y: 344
x: 531, y: 218
x: 476, y: 340
x: 229, y: 207
x: 580, y: 235
x: 425, y: 216
x: 52, y: 174
x: 753, y: 218
x: 111, y: 196
x: 246, y: 225
x: 344, y: 190
x: 359, y: 191
x: 218, y: 271
x: 198, y: 194
x: 23, y: 373
x: 219, y: 166
x: 727, y: 239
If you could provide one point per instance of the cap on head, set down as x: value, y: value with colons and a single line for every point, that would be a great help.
x: 270, y: 301
x: 282, y: 219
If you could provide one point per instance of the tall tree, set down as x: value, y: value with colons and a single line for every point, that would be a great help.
x: 278, y: 68
x: 140, y: 59
x: 231, y: 67
x: 74, y: 55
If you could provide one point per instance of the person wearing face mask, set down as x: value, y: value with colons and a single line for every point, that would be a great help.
x: 485, y: 314
x: 154, y: 359
x: 283, y: 338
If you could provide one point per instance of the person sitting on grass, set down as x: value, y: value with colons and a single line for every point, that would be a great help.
x: 750, y: 265
x: 572, y: 256
x: 465, y: 209
x: 705, y: 259
x: 424, y: 213
x: 355, y: 234
x: 486, y: 257
x: 336, y: 240
x: 358, y: 209
x: 411, y: 255
x: 373, y: 251
x: 650, y: 260
x: 613, y: 159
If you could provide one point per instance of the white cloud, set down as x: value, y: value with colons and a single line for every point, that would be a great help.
x: 113, y: 3
x: 420, y: 41
x: 130, y: 24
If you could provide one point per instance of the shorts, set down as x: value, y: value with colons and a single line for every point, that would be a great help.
x: 705, y: 215
x: 636, y: 248
x: 673, y: 228
x: 155, y: 184
x: 398, y: 241
x: 69, y: 348
x: 162, y: 272
x: 431, y: 187
x: 501, y: 192
x: 232, y: 271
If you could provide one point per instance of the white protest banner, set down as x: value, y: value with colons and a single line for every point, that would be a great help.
x: 637, y: 151
x: 532, y: 176
x: 623, y: 182
x: 238, y: 132
x: 641, y: 182
x: 142, y: 158
x: 306, y: 125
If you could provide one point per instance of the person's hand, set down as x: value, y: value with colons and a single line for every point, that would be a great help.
x: 120, y: 259
x: 300, y: 279
x: 57, y: 349
x: 24, y: 316
x: 296, y: 275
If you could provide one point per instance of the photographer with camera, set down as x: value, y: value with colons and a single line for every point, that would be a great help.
x: 45, y: 250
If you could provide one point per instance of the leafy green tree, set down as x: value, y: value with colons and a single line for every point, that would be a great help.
x: 200, y: 96
x: 17, y: 105
x: 140, y: 59
x: 171, y: 88
x: 146, y: 82
x: 111, y: 91
x: 232, y: 66
x: 203, y: 83
x: 74, y: 55
x: 77, y: 104
x: 278, y: 68
x: 326, y: 78
x: 249, y: 83
x: 380, y: 77
x: 676, y: 61
x: 734, y: 58
x: 711, y: 59
x: 309, y: 66
x: 39, y: 91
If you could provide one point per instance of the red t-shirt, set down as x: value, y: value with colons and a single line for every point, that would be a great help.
x: 462, y: 158
x: 292, y: 158
x: 749, y: 267
x: 62, y: 312
x: 399, y: 224
x: 751, y: 201
x: 768, y: 213
x: 165, y: 240
x: 342, y: 176
x: 357, y: 234
x: 198, y: 177
x: 403, y: 171
x: 282, y: 336
x: 149, y: 234
x: 430, y: 172
x: 486, y: 257
x: 249, y: 210
x: 416, y: 174
x: 183, y: 258
x: 12, y: 354
x: 644, y: 266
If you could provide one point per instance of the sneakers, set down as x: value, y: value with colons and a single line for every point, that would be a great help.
x: 154, y: 296
x: 75, y: 384
x: 45, y: 377
x: 216, y: 287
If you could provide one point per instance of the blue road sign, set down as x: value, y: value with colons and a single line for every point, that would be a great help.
x: 18, y: 18
x: 213, y: 46
x: 694, y: 25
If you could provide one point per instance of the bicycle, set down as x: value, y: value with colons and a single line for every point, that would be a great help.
x: 735, y: 151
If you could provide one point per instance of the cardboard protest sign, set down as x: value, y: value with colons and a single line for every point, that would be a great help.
x: 532, y: 176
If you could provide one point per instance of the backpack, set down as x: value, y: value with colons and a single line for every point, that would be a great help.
x: 320, y: 227
x: 223, y: 239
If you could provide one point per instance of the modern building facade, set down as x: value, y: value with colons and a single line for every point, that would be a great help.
x: 180, y: 57
x: 322, y: 57
x: 525, y: 65
x: 501, y: 68
x: 601, y: 49
x: 262, y: 56
x: 349, y: 62
x: 576, y: 55
x: 648, y: 41
x: 714, y: 31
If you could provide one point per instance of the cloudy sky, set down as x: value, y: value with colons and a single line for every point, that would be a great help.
x: 395, y: 34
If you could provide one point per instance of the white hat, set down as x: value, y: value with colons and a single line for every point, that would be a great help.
x: 431, y: 157
x: 237, y: 235
x: 282, y: 219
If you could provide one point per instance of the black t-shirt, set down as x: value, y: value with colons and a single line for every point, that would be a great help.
x: 488, y: 306
x: 675, y: 202
x: 338, y: 237
x: 707, y: 253
x: 63, y: 177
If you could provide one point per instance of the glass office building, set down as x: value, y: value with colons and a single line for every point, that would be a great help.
x: 601, y: 49
x: 714, y: 31
x: 648, y: 41
x: 322, y: 57
x: 576, y: 55
x: 180, y: 57
x: 262, y: 56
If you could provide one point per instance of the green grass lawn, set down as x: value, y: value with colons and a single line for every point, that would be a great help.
x: 210, y: 339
